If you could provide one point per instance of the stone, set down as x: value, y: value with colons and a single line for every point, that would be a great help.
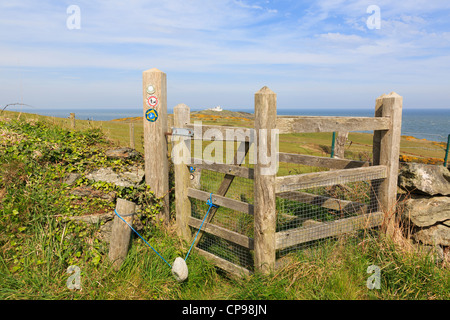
x: 93, y: 218
x: 130, y: 178
x: 424, y: 212
x: 435, y: 235
x: 436, y: 251
x: 104, y: 233
x: 71, y: 178
x: 180, y: 269
x: 122, y: 153
x: 424, y: 179
x: 86, y: 191
x: 134, y: 174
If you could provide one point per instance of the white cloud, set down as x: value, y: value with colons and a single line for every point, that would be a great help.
x: 284, y: 42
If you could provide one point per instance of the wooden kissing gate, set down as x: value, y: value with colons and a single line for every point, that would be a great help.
x: 265, y: 242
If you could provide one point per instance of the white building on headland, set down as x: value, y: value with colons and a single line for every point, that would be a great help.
x: 218, y: 108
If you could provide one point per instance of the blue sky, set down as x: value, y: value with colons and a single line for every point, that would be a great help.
x: 313, y: 54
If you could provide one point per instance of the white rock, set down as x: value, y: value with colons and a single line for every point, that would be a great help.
x: 180, y: 269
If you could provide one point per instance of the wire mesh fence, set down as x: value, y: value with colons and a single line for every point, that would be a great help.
x: 314, y: 212
x: 359, y: 145
x: 240, y: 189
x: 305, y: 215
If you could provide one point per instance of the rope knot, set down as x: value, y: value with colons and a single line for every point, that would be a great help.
x: 209, y: 201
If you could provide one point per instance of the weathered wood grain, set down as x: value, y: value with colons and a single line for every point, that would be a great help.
x: 291, y: 237
x: 328, y: 178
x: 121, y: 232
x: 237, y: 171
x: 226, y: 265
x: 223, y: 233
x: 386, y: 151
x: 264, y: 182
x: 155, y: 143
x: 181, y: 172
x: 222, y: 133
x: 322, y: 162
x: 303, y: 124
x: 221, y: 201
x: 325, y: 202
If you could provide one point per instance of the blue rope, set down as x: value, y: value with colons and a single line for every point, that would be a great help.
x: 210, y: 204
x: 142, y: 238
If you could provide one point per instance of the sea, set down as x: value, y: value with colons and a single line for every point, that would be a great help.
x: 430, y: 124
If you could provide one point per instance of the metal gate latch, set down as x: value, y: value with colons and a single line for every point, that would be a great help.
x: 182, y: 132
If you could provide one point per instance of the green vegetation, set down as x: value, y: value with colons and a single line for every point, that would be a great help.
x: 37, y: 243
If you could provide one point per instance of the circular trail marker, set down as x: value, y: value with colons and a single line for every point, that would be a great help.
x: 151, y: 115
x: 150, y: 89
x: 152, y: 101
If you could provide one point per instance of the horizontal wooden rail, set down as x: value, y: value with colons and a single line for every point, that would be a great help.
x: 221, y: 133
x: 221, y: 201
x: 323, y: 162
x: 224, y: 264
x: 328, y: 178
x: 234, y: 170
x: 325, y: 202
x: 223, y: 233
x: 291, y: 237
x: 302, y: 124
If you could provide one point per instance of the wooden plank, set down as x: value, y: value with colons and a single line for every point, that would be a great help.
x: 223, y: 233
x: 328, y: 178
x: 222, y: 133
x: 302, y: 124
x: 322, y: 162
x: 325, y: 202
x: 288, y: 238
x: 230, y: 169
x: 225, y: 264
x: 264, y: 182
x: 221, y: 201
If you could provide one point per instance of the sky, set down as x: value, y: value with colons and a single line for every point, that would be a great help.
x: 312, y: 54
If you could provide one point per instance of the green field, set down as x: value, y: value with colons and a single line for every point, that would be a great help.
x: 37, y: 243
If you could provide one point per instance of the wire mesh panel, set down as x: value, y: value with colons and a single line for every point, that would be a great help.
x: 314, y: 211
x: 231, y: 223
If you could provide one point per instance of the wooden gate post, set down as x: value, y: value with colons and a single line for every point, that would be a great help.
x: 180, y: 156
x: 132, y: 145
x: 264, y: 188
x: 386, y: 151
x: 121, y: 232
x: 339, y: 147
x: 72, y: 120
x: 155, y: 143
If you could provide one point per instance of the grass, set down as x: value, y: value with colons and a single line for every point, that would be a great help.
x: 37, y: 245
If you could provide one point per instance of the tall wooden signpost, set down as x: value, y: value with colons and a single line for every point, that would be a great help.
x: 155, y: 143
